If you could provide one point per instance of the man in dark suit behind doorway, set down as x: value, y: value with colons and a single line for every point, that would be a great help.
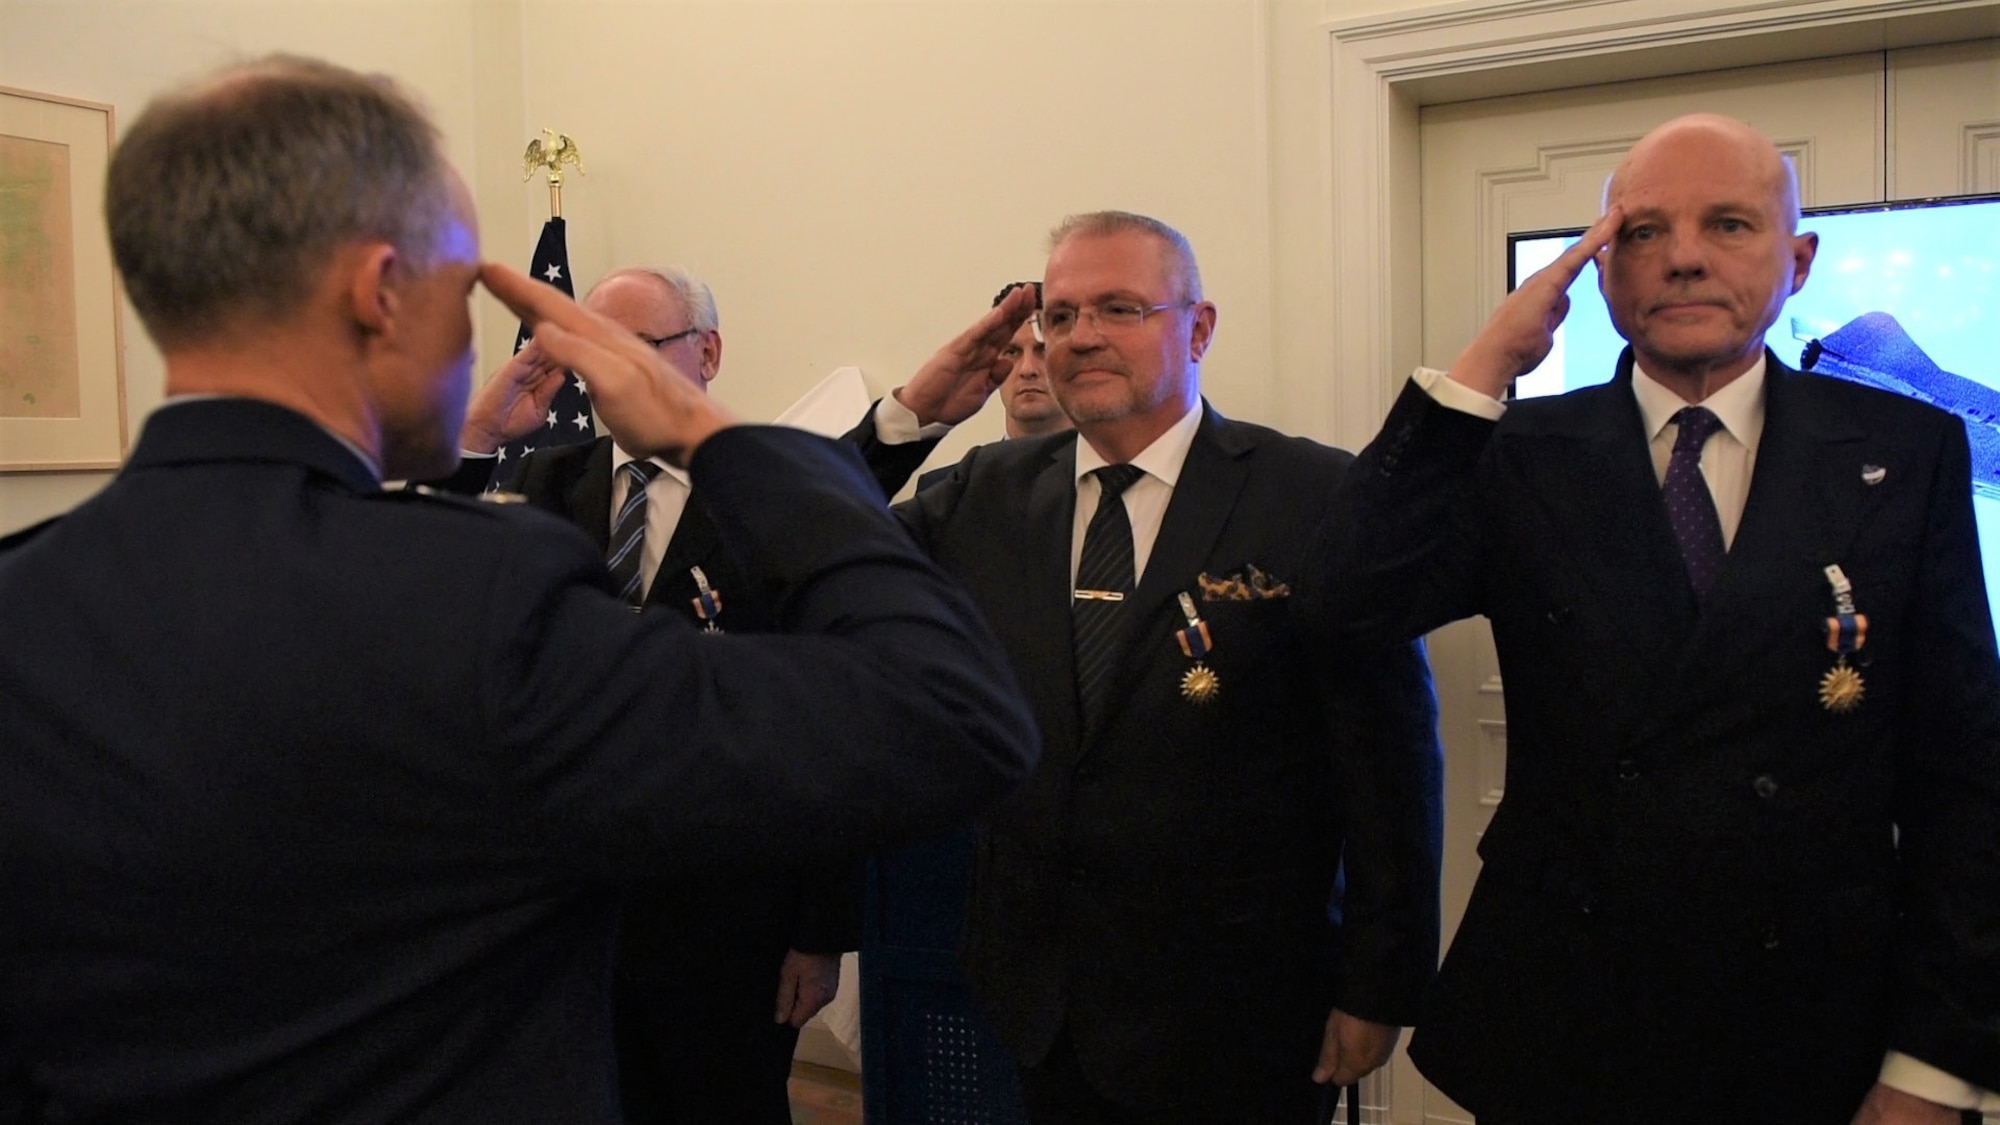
x: 1153, y: 923
x: 1745, y: 868
x: 717, y: 971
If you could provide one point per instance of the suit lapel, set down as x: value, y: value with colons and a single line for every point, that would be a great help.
x: 588, y: 501
x: 1590, y: 466
x: 1807, y: 502
x: 1218, y: 462
x: 1051, y: 511
x: 693, y: 544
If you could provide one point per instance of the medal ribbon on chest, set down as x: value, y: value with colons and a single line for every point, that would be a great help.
x: 707, y: 603
x: 1841, y: 689
x: 1199, y: 684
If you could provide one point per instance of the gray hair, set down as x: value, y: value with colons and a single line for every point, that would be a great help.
x: 227, y: 196
x: 694, y: 295
x: 1181, y: 268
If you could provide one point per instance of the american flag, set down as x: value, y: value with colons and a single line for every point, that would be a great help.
x: 569, y: 414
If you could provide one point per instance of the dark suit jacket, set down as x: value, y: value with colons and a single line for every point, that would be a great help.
x: 741, y: 914
x: 1694, y: 906
x: 319, y: 800
x: 1164, y: 885
x: 699, y: 955
x: 933, y: 476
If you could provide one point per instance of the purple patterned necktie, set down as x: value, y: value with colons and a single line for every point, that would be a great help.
x: 1689, y: 505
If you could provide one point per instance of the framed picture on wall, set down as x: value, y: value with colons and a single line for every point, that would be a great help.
x: 62, y: 355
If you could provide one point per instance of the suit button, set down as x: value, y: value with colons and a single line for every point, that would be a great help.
x: 1560, y: 615
x: 1076, y: 874
x: 1628, y: 770
x: 1771, y: 936
x: 1765, y: 786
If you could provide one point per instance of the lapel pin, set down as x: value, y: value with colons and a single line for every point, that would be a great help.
x: 1873, y: 474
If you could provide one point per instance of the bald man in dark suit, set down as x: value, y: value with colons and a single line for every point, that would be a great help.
x: 1744, y: 870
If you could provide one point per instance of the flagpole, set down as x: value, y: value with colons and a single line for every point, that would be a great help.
x: 569, y: 419
x: 559, y: 149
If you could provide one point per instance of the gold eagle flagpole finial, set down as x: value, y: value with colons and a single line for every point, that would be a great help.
x: 559, y: 150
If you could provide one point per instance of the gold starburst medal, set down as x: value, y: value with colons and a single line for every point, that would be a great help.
x: 1841, y: 689
x: 1200, y: 684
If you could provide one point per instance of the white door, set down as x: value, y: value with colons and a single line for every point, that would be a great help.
x: 1910, y: 124
x: 1538, y: 162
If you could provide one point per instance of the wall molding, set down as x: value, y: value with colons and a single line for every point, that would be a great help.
x: 1979, y: 163
x: 1382, y: 69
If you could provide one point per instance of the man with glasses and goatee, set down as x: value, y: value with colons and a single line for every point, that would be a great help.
x: 1155, y: 923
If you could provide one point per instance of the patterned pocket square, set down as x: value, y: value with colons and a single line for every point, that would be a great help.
x: 1234, y: 587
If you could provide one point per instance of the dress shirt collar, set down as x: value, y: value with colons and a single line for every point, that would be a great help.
x: 619, y: 457
x: 1162, y: 459
x: 1739, y: 405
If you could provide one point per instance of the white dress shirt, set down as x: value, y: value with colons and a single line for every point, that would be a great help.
x: 666, y: 499
x: 1726, y: 460
x: 1730, y: 453
x: 1145, y: 499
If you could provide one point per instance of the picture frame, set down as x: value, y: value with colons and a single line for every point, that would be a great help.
x: 62, y: 348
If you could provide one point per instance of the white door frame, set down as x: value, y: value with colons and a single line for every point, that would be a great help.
x: 1383, y: 68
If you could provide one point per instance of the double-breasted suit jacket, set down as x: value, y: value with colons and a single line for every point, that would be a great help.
x: 1707, y: 895
x: 1164, y: 886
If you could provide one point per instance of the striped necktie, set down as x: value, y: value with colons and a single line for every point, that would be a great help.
x: 1104, y: 577
x: 628, y: 531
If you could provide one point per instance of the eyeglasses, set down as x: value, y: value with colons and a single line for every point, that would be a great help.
x: 663, y: 341
x: 1112, y: 316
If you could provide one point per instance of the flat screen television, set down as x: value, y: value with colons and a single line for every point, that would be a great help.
x: 1904, y: 296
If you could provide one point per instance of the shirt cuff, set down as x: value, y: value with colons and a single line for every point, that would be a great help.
x: 896, y: 424
x: 1921, y: 1079
x: 468, y: 455
x: 1457, y: 396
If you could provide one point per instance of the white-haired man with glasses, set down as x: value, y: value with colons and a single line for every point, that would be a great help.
x: 1154, y: 923
x: 716, y: 973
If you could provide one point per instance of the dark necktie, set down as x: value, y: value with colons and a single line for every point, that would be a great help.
x: 628, y: 531
x: 1689, y: 504
x: 1104, y: 578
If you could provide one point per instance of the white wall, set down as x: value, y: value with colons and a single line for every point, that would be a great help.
x: 122, y: 51
x: 856, y: 179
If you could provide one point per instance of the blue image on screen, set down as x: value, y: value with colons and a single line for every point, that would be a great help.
x: 1905, y: 297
